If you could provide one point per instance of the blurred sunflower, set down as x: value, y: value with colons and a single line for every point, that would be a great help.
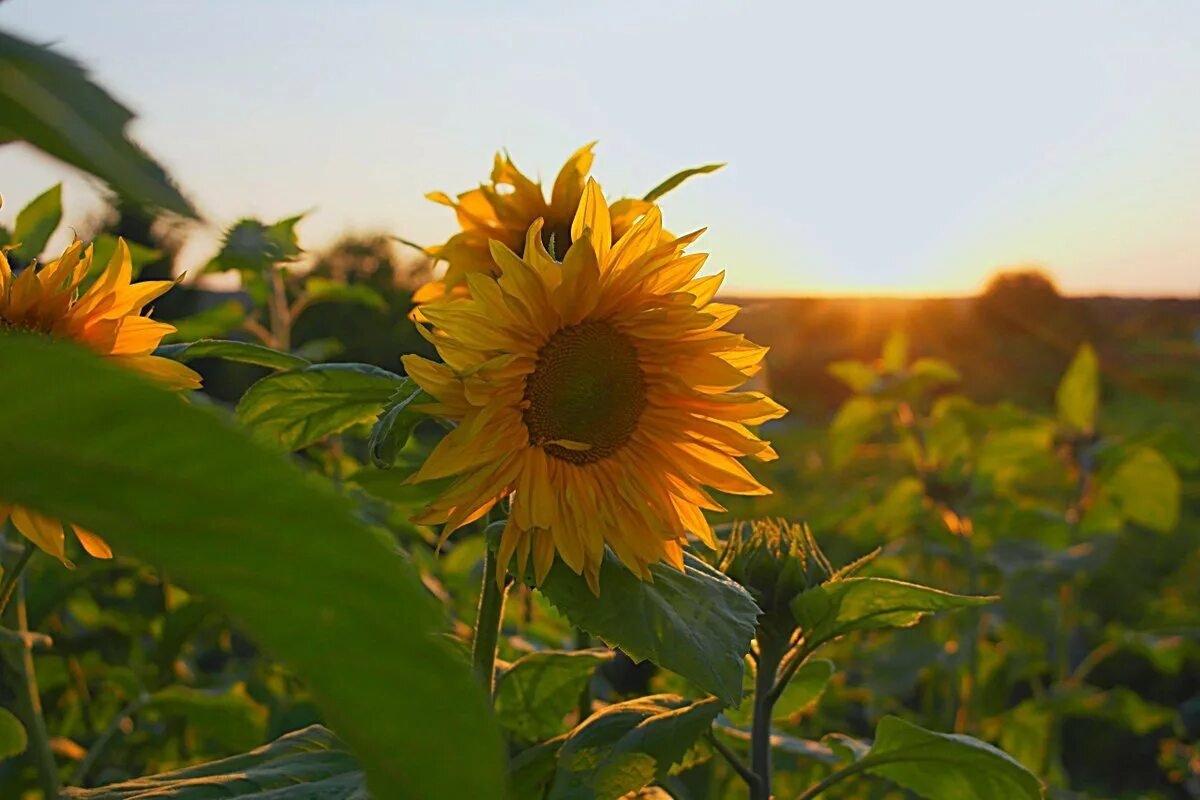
x: 107, y: 318
x: 596, y: 393
x: 504, y: 209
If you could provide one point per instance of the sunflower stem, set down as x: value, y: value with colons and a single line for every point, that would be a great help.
x: 583, y: 641
x: 487, y: 622
x: 13, y: 573
x: 770, y: 654
x: 30, y: 702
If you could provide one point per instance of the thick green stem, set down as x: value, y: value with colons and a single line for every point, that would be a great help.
x: 487, y: 623
x: 583, y: 641
x: 31, y: 704
x: 770, y: 654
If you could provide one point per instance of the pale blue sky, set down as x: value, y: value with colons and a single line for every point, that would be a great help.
x: 906, y: 147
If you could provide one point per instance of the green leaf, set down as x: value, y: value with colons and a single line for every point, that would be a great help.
x: 857, y: 375
x: 933, y: 371
x: 805, y: 687
x: 531, y: 770
x: 309, y: 764
x: 678, y: 178
x: 104, y: 245
x: 857, y: 420
x: 298, y: 408
x: 629, y: 745
x: 48, y: 100
x: 244, y: 352
x: 1119, y: 705
x: 210, y: 323
x: 324, y: 290
x: 697, y: 623
x: 540, y: 689
x: 895, y: 352
x: 251, y: 246
x: 1078, y: 393
x: 12, y: 735
x: 945, y: 766
x: 230, y: 718
x: 1146, y: 489
x: 834, y: 609
x: 395, y: 425
x: 274, y: 547
x: 37, y: 221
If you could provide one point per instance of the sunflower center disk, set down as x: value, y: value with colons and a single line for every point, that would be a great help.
x: 587, y: 388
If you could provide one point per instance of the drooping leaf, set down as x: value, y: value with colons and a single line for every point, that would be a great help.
x: 678, y: 178
x: 209, y: 323
x: 309, y: 764
x: 298, y: 408
x: 540, y: 689
x: 244, y: 352
x: 945, y: 766
x: 324, y: 290
x: 231, y: 718
x: 857, y: 375
x: 251, y: 246
x: 395, y: 425
x: 48, y: 101
x: 834, y: 609
x: 36, y: 222
x: 13, y: 740
x: 697, y: 623
x: 627, y: 746
x: 1146, y: 489
x: 183, y: 489
x: 1078, y: 393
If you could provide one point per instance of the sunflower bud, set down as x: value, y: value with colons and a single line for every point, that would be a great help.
x: 775, y: 561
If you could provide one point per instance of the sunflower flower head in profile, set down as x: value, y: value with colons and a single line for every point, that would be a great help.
x: 597, y: 393
x: 108, y: 318
x: 504, y: 209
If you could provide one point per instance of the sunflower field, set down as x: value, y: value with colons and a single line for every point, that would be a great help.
x: 535, y: 514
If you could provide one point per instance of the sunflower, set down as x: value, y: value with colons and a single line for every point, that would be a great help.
x: 504, y: 209
x: 595, y: 394
x: 107, y: 318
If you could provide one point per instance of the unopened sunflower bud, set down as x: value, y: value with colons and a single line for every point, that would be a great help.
x: 775, y: 561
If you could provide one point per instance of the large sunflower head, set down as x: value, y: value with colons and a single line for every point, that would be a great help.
x: 106, y: 317
x: 596, y: 393
x: 503, y: 209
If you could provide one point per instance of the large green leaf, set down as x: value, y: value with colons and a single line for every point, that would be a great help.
x: 626, y: 746
x: 12, y: 735
x: 697, y: 623
x: 1079, y: 392
x: 300, y: 407
x: 1146, y: 489
x: 804, y: 689
x: 855, y: 604
x: 678, y: 178
x: 274, y: 547
x: 540, y: 689
x: 309, y: 764
x: 36, y: 222
x: 245, y: 352
x: 945, y: 766
x: 48, y: 100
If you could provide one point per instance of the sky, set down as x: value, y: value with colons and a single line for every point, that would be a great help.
x: 872, y: 148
